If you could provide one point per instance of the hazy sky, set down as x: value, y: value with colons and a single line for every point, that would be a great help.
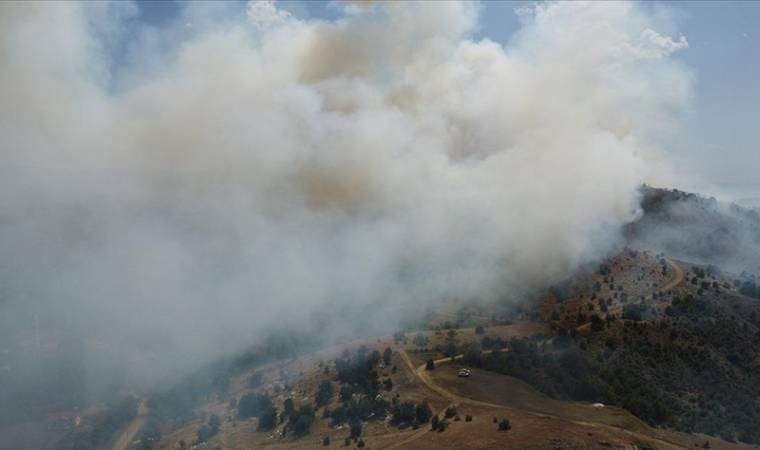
x: 717, y: 148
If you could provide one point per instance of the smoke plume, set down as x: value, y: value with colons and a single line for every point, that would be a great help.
x: 231, y: 173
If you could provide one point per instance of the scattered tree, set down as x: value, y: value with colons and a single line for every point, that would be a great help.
x: 387, y: 356
x: 420, y: 340
x: 423, y: 412
x: 324, y: 393
x: 356, y: 428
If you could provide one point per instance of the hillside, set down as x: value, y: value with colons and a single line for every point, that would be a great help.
x: 694, y: 228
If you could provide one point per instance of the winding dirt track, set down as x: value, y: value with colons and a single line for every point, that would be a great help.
x: 128, y: 435
x: 423, y: 376
x: 677, y: 279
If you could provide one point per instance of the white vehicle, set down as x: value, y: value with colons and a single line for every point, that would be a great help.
x: 463, y: 372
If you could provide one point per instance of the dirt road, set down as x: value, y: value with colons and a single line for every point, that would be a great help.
x: 677, y: 279
x: 424, y: 377
x: 130, y: 432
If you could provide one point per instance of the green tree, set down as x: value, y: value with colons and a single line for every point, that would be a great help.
x: 420, y: 340
x: 423, y: 412
x: 387, y: 356
x: 451, y: 343
x: 324, y: 393
x: 268, y: 419
x: 288, y: 407
x: 302, y: 419
x: 355, y: 426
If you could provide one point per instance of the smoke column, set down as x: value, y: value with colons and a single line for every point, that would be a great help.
x: 243, y: 171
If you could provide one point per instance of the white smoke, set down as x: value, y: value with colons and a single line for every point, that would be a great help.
x: 265, y: 166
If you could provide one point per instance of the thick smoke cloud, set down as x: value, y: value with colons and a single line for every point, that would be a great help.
x: 261, y: 167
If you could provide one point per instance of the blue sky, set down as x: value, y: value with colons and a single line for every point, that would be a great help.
x: 717, y: 145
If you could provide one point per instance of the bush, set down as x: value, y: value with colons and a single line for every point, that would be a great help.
x: 430, y: 365
x: 326, y: 441
x: 468, y: 418
x: 450, y: 412
x: 479, y: 329
x: 504, y: 425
